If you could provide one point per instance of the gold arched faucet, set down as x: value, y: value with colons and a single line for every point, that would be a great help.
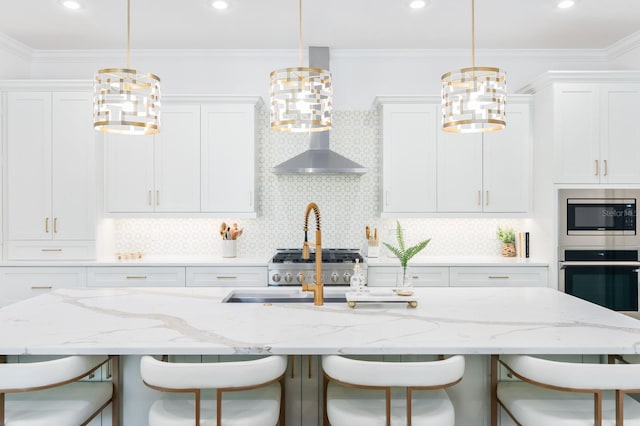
x: 317, y: 288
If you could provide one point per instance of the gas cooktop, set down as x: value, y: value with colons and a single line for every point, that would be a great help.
x: 329, y: 255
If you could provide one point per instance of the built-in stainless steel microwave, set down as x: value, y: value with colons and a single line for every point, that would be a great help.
x: 604, y: 218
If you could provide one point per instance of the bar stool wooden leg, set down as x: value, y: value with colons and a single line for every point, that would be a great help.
x: 494, y: 390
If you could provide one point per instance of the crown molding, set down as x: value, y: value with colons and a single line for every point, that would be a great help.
x: 15, y: 47
x: 550, y: 77
x: 625, y: 45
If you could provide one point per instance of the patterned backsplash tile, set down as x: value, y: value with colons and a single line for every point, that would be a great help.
x: 347, y: 204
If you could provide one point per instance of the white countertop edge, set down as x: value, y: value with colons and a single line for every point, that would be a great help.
x: 457, y: 261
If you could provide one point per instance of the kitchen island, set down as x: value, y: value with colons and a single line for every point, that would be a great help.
x: 194, y: 321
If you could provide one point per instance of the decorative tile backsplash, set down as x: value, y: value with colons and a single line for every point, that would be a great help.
x: 347, y: 204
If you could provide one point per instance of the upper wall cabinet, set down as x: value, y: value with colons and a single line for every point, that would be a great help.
x: 486, y: 172
x: 408, y: 157
x: 228, y: 158
x: 203, y: 160
x: 50, y: 175
x: 589, y: 129
x: 597, y: 141
x: 426, y: 170
x: 159, y: 173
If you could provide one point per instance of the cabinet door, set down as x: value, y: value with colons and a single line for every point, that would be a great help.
x: 228, y: 158
x: 576, y: 122
x: 502, y: 276
x: 136, y: 276
x: 459, y: 172
x: 20, y: 283
x: 129, y: 173
x: 620, y: 135
x: 73, y: 164
x: 506, y: 164
x: 227, y: 276
x: 177, y: 160
x: 409, y: 158
x: 29, y: 166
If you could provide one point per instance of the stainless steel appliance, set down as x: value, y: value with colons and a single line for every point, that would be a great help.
x: 287, y: 266
x: 599, y: 245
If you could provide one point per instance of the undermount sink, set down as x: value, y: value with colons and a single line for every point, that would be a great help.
x: 278, y: 295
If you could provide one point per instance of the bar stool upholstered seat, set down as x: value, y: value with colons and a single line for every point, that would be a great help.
x: 47, y: 393
x: 569, y: 394
x: 389, y: 393
x: 253, y: 392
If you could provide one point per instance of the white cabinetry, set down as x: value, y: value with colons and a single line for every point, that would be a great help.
x: 158, y: 173
x: 462, y: 276
x: 514, y: 276
x: 19, y: 283
x: 486, y: 172
x: 596, y: 141
x: 426, y: 171
x: 409, y: 157
x: 50, y: 184
x: 228, y: 158
x: 227, y: 276
x: 136, y: 276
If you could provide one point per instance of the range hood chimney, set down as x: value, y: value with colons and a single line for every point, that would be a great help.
x: 319, y: 159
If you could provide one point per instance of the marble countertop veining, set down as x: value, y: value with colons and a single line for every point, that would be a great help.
x: 194, y: 321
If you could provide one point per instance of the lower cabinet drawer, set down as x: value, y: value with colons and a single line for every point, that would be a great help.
x: 516, y: 276
x: 422, y: 276
x: 51, y: 250
x: 136, y: 276
x: 19, y: 283
x: 227, y: 276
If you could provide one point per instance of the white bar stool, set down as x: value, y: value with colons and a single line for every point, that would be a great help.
x: 371, y: 392
x: 256, y: 392
x: 49, y: 393
x: 566, y: 393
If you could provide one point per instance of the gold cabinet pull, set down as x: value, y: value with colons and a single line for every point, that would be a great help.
x: 479, y: 197
x: 108, y: 369
x: 41, y: 287
x: 55, y: 225
x: 605, y: 167
x: 486, y: 199
x: 149, y: 197
x: 498, y: 277
x: 226, y: 277
x: 46, y: 225
x: 136, y: 277
x: 157, y: 197
x: 597, y: 169
x: 49, y: 249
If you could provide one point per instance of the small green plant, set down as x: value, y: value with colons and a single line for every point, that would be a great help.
x: 404, y: 254
x: 506, y: 235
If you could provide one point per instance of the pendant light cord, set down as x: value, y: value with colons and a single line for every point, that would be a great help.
x: 473, y: 32
x: 300, y: 33
x: 128, y: 33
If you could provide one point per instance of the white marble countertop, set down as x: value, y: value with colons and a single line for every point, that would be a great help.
x: 194, y: 321
x: 178, y: 260
x: 457, y: 261
x: 170, y: 260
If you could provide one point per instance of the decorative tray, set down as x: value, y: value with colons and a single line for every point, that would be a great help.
x: 380, y: 296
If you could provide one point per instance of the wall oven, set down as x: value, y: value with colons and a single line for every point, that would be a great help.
x: 599, y: 244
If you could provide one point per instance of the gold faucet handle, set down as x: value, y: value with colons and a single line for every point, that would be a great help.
x: 305, y: 250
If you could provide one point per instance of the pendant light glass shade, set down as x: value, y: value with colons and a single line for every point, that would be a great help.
x: 300, y: 97
x: 474, y: 98
x: 125, y: 101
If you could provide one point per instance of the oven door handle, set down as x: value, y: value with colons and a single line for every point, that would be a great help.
x: 565, y: 264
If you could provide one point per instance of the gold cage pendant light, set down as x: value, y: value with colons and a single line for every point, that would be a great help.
x: 125, y: 101
x: 474, y: 98
x: 300, y: 97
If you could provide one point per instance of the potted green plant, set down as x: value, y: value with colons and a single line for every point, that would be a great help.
x: 404, y: 254
x: 508, y: 237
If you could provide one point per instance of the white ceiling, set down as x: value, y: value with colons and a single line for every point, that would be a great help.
x: 344, y: 24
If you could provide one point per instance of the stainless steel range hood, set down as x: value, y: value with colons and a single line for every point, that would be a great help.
x: 319, y: 159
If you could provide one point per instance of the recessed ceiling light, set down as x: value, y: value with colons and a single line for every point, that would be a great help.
x: 220, y: 4
x: 417, y: 4
x: 71, y: 4
x: 566, y: 4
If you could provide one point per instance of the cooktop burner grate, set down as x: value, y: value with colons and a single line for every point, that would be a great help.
x: 328, y: 256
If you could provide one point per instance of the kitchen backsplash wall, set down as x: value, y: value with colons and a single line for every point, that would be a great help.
x: 347, y: 204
